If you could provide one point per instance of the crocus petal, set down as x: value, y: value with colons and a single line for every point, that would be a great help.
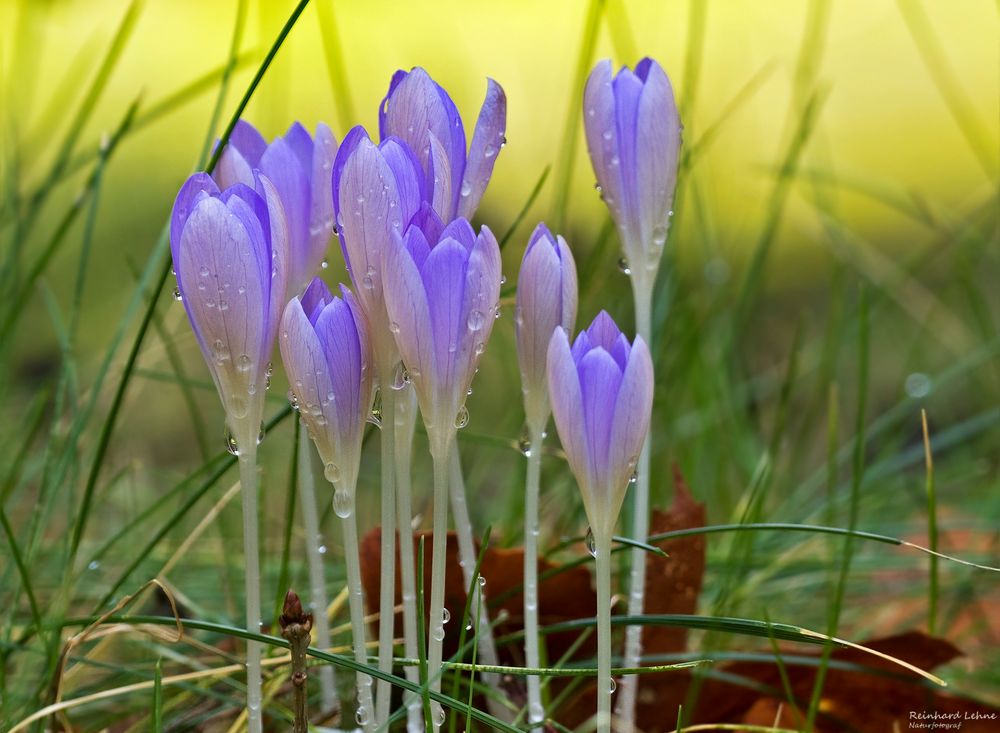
x: 628, y: 90
x: 600, y: 378
x: 194, y: 189
x: 315, y: 297
x: 282, y: 167
x: 439, y: 174
x: 324, y: 150
x: 487, y: 140
x: 539, y: 292
x: 338, y: 335
x: 409, y: 177
x: 462, y: 232
x: 443, y: 275
x: 603, y: 332
x: 570, y: 290
x: 602, y: 135
x: 306, y: 365
x: 301, y: 143
x: 482, y: 291
x: 410, y: 320
x: 278, y: 276
x: 630, y: 422
x: 251, y: 144
x: 567, y: 408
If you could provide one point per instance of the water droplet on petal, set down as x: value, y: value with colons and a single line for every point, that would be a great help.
x: 524, y: 442
x: 361, y: 715
x: 612, y: 685
x: 325, y: 263
x: 475, y: 320
x: 400, y: 378
x: 591, y: 542
x: 343, y: 503
x: 466, y: 189
x: 230, y: 441
x: 623, y: 266
x: 177, y: 295
x: 238, y: 407
x: 462, y: 418
x: 243, y: 363
x: 332, y: 472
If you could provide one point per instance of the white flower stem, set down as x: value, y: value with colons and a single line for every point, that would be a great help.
x: 356, y: 602
x: 625, y: 708
x: 436, y: 617
x: 536, y: 711
x: 317, y: 578
x: 404, y: 422
x: 387, y: 588
x: 251, y: 561
x: 467, y: 556
x: 602, y: 543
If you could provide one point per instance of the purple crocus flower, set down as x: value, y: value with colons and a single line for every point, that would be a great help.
x: 299, y: 167
x: 376, y: 192
x: 602, y: 396
x: 418, y: 111
x: 230, y: 250
x: 325, y: 349
x: 441, y: 296
x: 546, y: 299
x: 634, y: 139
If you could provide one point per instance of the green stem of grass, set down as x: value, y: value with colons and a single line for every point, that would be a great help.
x: 251, y: 562
x: 536, y: 710
x: 387, y: 585
x: 356, y: 603
x: 317, y: 578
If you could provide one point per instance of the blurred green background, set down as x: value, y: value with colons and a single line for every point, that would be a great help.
x: 830, y: 145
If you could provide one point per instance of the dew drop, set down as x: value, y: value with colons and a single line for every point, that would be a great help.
x: 367, y: 283
x: 480, y: 348
x: 93, y: 565
x: 332, y: 472
x: 394, y: 327
x: 267, y: 376
x: 293, y: 400
x: 400, y: 377
x: 482, y: 581
x: 203, y: 271
x: 342, y: 503
x: 475, y: 320
x: 466, y: 189
x: 591, y: 542
x: 238, y: 407
x: 524, y: 442
x: 243, y: 363
x: 230, y: 441
x: 361, y: 715
x: 439, y: 715
x: 607, y: 135
x: 321, y: 549
x: 918, y: 385
x: 177, y: 295
x: 623, y: 266
x: 612, y: 685
x: 462, y: 418
x: 438, y: 632
x: 445, y: 615
x: 260, y: 434
x: 325, y: 262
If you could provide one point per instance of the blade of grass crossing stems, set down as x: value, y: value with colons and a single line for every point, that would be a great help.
x: 566, y: 154
x: 109, y: 424
x: 858, y: 469
x: 465, y: 621
x: 932, y: 531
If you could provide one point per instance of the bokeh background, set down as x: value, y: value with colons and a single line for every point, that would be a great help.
x: 837, y: 144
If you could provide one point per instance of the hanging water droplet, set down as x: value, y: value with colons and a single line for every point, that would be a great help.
x: 230, y: 441
x: 244, y: 362
x: 633, y: 477
x: 623, y: 266
x: 439, y: 716
x: 321, y: 549
x: 612, y: 685
x: 375, y: 416
x: 591, y: 542
x: 332, y: 472
x: 361, y: 715
x: 399, y: 377
x: 482, y: 581
x: 524, y: 442
x: 177, y: 295
x: 325, y: 263
x: 438, y: 632
x: 466, y: 188
x: 475, y: 320
x: 462, y: 418
x: 367, y: 283
x: 342, y: 503
x: 445, y: 615
x: 267, y: 376
x: 480, y: 348
x: 93, y: 565
x: 260, y: 434
x: 293, y: 400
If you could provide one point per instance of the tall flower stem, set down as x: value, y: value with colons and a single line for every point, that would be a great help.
x: 404, y: 422
x: 436, y: 616
x: 536, y: 712
x: 387, y: 588
x: 356, y: 602
x: 317, y: 578
x: 487, y: 650
x: 642, y: 292
x: 602, y: 545
x: 251, y: 561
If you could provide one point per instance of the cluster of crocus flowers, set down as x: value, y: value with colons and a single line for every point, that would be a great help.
x: 411, y: 333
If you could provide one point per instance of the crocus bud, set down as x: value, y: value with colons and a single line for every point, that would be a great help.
x: 546, y: 299
x: 441, y: 296
x: 230, y: 250
x: 602, y: 396
x: 299, y: 167
x: 417, y: 110
x: 376, y: 191
x: 634, y: 140
x: 325, y: 349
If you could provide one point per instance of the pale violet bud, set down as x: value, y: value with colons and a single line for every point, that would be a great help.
x: 230, y: 253
x: 325, y: 349
x: 546, y: 300
x: 602, y: 396
x: 441, y: 295
x: 300, y: 167
x: 634, y: 138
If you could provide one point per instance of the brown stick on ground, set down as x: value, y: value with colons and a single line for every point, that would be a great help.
x: 296, y: 626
